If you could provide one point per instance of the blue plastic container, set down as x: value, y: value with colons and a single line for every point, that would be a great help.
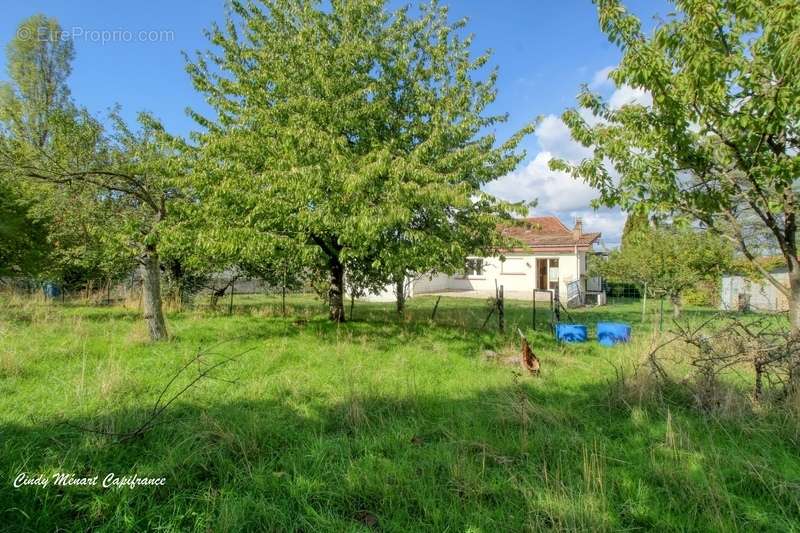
x: 51, y: 290
x: 611, y: 333
x: 571, y: 332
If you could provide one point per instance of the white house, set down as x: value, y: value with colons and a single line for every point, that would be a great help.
x: 549, y: 257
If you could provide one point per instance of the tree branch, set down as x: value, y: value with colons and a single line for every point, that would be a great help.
x: 738, y: 238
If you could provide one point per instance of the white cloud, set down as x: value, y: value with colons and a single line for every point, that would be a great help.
x: 554, y: 137
x: 601, y: 78
x: 629, y: 95
x: 557, y: 192
x: 561, y: 195
x: 609, y: 222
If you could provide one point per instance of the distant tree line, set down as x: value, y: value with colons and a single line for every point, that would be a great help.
x: 664, y: 259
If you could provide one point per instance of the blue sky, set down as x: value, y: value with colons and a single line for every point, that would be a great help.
x: 545, y: 49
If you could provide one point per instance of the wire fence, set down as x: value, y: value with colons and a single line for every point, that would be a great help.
x: 621, y: 292
x: 240, y: 295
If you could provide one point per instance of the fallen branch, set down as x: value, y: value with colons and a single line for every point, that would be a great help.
x: 164, y: 400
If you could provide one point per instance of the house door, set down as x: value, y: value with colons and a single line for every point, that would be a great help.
x: 547, y: 274
x: 541, y: 274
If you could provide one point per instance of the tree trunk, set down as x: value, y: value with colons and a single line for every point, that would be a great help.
x: 794, y: 304
x: 675, y: 299
x: 400, y: 291
x: 151, y: 295
x: 336, y: 291
x: 216, y: 294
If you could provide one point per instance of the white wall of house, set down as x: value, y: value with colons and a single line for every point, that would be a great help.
x: 518, y: 275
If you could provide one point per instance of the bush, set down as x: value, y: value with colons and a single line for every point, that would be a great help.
x: 704, y: 293
x: 723, y: 366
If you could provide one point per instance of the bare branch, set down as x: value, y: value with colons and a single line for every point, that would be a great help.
x: 161, y: 405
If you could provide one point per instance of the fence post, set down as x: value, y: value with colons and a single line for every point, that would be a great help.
x: 533, y: 311
x: 283, y: 292
x: 233, y: 288
x: 435, y: 307
x: 644, y: 302
x: 501, y: 314
x: 555, y: 305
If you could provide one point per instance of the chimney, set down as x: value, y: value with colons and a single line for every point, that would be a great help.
x: 577, y: 231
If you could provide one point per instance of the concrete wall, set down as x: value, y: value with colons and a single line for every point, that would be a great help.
x: 385, y: 295
x: 763, y: 295
x: 427, y: 284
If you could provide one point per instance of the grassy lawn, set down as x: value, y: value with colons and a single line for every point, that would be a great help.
x: 395, y: 425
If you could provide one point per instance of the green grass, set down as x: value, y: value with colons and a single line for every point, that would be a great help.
x: 327, y: 427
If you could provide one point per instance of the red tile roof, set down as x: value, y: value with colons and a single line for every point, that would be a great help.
x: 547, y: 233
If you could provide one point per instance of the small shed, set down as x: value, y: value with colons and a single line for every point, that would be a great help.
x: 741, y: 293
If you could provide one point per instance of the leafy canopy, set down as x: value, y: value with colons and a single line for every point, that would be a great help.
x: 348, y: 134
x: 720, y: 142
x: 38, y: 64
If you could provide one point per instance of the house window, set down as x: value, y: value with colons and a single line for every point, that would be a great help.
x: 552, y: 271
x: 474, y: 267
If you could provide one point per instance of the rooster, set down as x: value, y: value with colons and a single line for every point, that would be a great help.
x: 529, y: 360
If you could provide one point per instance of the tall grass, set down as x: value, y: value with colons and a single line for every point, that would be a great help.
x: 379, y: 423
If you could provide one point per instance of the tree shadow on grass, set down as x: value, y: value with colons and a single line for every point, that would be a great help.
x: 378, y: 326
x: 521, y: 457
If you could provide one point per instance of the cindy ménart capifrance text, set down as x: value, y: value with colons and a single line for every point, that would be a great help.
x: 111, y: 480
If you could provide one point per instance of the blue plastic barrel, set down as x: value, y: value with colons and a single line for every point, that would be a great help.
x: 611, y: 333
x: 51, y: 290
x: 571, y: 332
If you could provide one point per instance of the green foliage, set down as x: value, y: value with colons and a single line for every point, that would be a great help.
x: 106, y: 193
x: 278, y: 268
x: 704, y: 293
x: 23, y: 238
x: 719, y: 143
x: 37, y: 91
x: 347, y: 136
x: 748, y: 270
x: 114, y: 186
x: 667, y: 260
x: 636, y: 223
x: 82, y: 232
x: 43, y: 134
x: 38, y: 63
